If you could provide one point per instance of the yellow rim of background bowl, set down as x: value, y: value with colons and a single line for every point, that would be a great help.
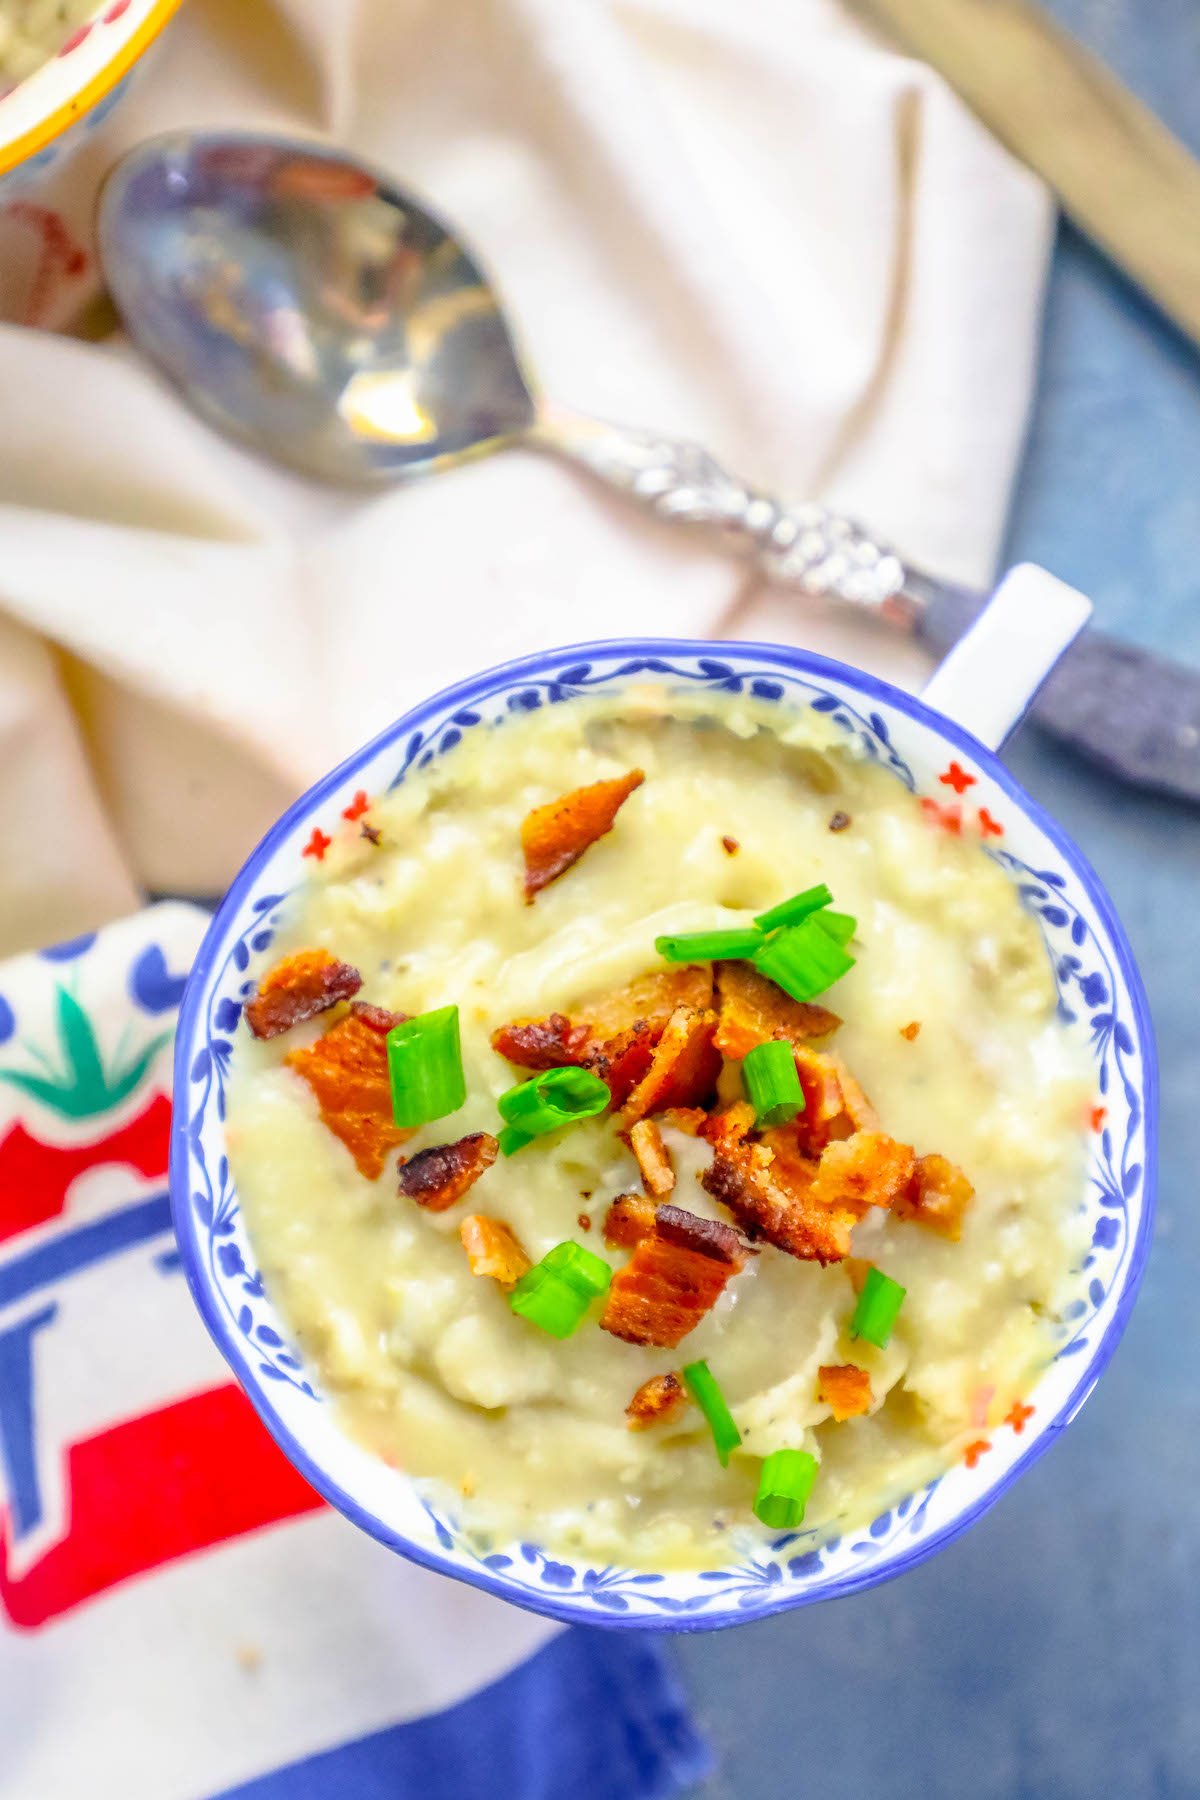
x: 55, y: 123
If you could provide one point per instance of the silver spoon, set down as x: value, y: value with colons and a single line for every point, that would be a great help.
x: 306, y: 305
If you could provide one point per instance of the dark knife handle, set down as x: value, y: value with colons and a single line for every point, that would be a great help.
x: 1135, y: 714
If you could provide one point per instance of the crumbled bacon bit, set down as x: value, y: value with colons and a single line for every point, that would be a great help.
x: 858, y: 1109
x: 584, y: 1221
x: 675, y: 1275
x: 708, y: 1237
x: 648, y: 1000
x: 645, y: 1140
x: 552, y: 1043
x: 839, y: 821
x: 347, y: 1071
x: 937, y: 1195
x: 492, y: 1249
x: 555, y: 836
x: 628, y: 1220
x: 437, y: 1177
x: 688, y: 1119
x: 911, y: 1030
x: 845, y: 1389
x: 730, y: 846
x: 656, y: 1400
x: 868, y: 1169
x: 298, y: 988
x: 684, y: 1069
x: 377, y: 1017
x: 622, y: 1061
x: 775, y: 1202
x: 752, y: 1010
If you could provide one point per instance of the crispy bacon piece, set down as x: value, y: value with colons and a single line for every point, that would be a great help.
x: 492, y: 1249
x: 858, y: 1109
x: 552, y: 1043
x: 645, y: 1140
x: 806, y: 1206
x: 649, y: 1000
x: 656, y: 1400
x: 298, y: 988
x: 775, y: 1202
x: 752, y: 1010
x: 675, y: 1275
x: 556, y: 835
x: 912, y: 1030
x: 347, y: 1071
x: 437, y: 1177
x: 845, y: 1389
x: 684, y: 1069
x: 623, y: 1061
x: 688, y: 1119
x: 937, y: 1195
x: 868, y: 1169
x: 628, y: 1220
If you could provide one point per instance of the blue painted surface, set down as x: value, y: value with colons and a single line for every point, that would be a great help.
x: 1054, y: 1652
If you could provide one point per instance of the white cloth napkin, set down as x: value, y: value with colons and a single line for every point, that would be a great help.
x: 747, y: 224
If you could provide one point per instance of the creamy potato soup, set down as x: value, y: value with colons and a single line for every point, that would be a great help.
x: 834, y: 1221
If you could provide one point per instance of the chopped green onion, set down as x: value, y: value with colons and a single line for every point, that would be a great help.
x: 581, y: 1269
x: 556, y: 1292
x: 512, y: 1139
x: 425, y: 1067
x: 705, y: 1392
x: 772, y: 1083
x: 546, y: 1301
x: 803, y: 960
x: 878, y: 1305
x: 840, y: 926
x: 790, y: 912
x: 783, y: 1488
x: 709, y: 946
x: 555, y: 1098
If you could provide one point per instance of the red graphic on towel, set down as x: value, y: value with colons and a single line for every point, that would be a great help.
x: 34, y: 1177
x: 154, y: 1489
x: 78, y: 1518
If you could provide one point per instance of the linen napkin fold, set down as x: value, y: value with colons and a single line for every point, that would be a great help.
x: 180, y: 1615
x: 750, y: 225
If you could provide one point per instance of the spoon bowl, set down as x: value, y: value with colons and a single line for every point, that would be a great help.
x: 310, y: 308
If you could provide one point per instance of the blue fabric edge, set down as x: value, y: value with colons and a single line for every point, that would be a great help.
x: 591, y: 1714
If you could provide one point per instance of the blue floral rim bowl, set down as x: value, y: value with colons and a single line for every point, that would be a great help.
x: 1100, y: 997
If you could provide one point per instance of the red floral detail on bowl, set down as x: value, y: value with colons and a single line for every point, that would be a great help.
x: 957, y: 778
x: 317, y: 844
x: 988, y: 826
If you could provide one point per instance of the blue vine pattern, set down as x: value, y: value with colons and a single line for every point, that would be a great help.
x: 1086, y: 984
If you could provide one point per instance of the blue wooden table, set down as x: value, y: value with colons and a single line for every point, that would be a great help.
x: 1054, y: 1652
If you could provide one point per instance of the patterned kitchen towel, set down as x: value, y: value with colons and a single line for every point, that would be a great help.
x: 181, y: 1616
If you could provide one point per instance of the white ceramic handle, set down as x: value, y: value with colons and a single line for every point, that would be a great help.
x: 990, y: 677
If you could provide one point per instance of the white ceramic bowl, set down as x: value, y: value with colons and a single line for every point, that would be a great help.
x: 1101, y: 1000
x: 48, y: 114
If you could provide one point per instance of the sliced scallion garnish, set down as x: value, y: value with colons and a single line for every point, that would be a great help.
x: 783, y: 1488
x: 803, y: 960
x: 800, y: 906
x: 772, y: 1083
x: 709, y: 946
x: 555, y: 1098
x: 838, y: 925
x: 705, y: 1391
x: 425, y: 1067
x: 878, y: 1305
x: 556, y: 1293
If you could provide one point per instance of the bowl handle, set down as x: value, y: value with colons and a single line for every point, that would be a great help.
x: 988, y: 681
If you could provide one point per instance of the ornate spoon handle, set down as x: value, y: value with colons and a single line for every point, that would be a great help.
x: 808, y: 546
